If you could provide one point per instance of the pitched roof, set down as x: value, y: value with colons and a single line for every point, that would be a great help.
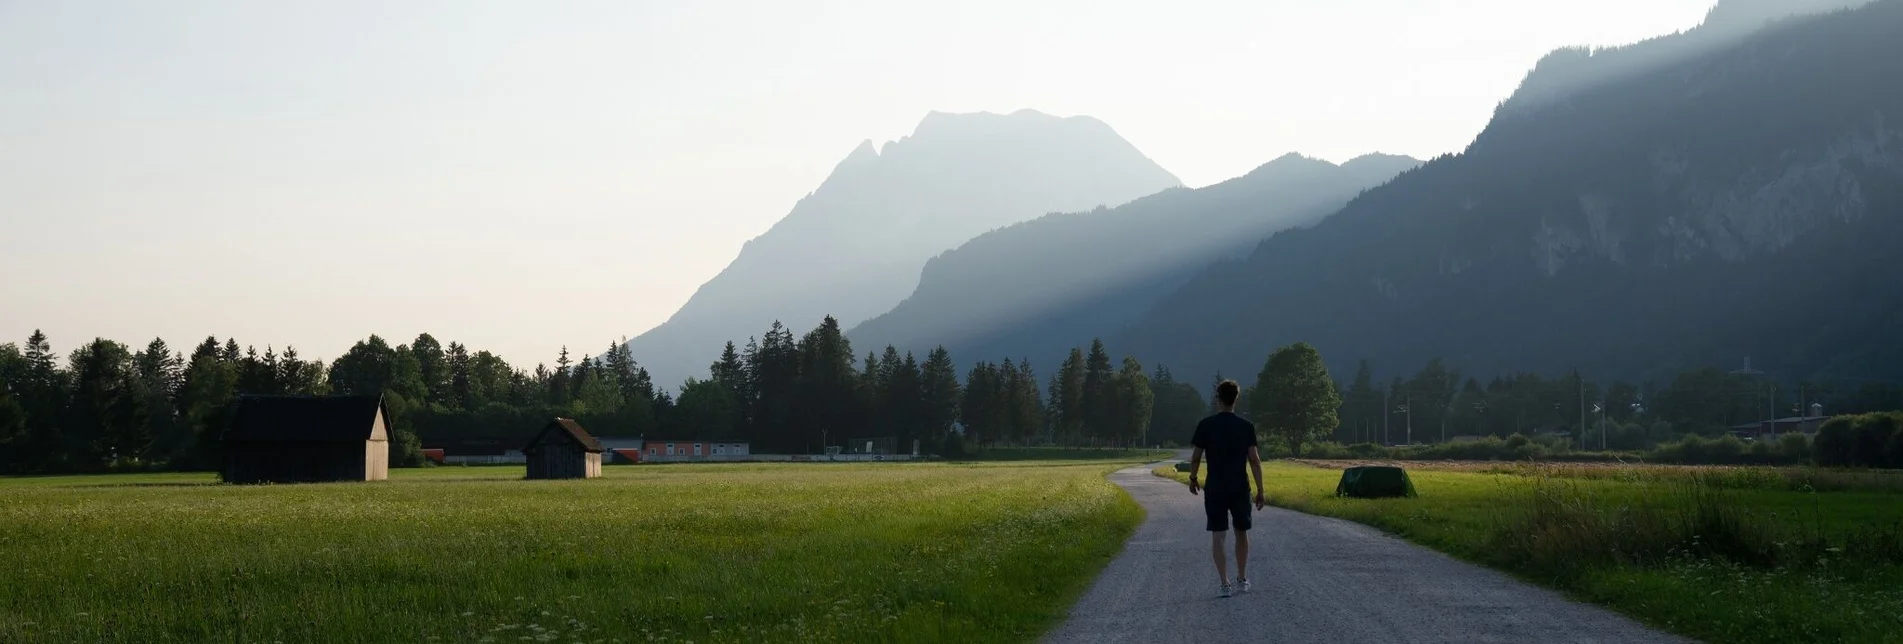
x: 305, y: 418
x: 569, y: 427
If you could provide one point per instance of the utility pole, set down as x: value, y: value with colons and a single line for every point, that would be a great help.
x: 1582, y: 407
x: 1409, y: 408
x: 1385, y: 415
x: 1601, y: 408
x: 1759, y: 393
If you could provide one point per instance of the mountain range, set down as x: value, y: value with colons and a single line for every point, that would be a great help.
x: 1031, y: 290
x: 1732, y: 191
x: 854, y: 248
x: 1742, y: 201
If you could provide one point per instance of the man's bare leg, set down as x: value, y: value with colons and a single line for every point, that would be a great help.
x: 1242, y: 555
x: 1222, y: 567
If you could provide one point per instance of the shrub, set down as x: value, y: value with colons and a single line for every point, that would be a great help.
x: 1795, y: 448
x: 1858, y: 441
x: 1893, y: 452
x: 1835, y: 447
x: 1871, y: 435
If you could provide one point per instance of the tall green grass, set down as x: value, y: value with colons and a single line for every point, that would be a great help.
x: 712, y: 553
x: 1692, y: 554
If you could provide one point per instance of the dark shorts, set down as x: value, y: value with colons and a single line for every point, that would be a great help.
x: 1223, y: 507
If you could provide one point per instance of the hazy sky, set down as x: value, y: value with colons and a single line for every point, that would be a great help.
x: 523, y: 175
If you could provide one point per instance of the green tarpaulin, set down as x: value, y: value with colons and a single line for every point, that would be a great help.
x: 1374, y: 481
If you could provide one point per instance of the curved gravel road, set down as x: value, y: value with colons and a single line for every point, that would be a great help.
x: 1316, y: 580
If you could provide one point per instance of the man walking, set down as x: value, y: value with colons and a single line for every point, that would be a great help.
x: 1229, y: 440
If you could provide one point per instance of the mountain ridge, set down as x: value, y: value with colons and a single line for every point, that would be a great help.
x: 1033, y: 277
x: 1689, y: 216
x: 855, y: 245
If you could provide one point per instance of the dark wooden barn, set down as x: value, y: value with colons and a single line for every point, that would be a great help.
x: 295, y: 439
x: 563, y: 450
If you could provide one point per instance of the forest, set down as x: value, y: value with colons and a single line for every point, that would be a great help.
x: 106, y: 406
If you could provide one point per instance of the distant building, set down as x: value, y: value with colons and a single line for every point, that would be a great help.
x: 295, y: 439
x: 1806, y: 425
x: 690, y: 449
x: 563, y: 450
x: 620, y: 450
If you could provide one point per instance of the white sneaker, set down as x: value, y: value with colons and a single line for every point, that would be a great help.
x: 1226, y: 590
x: 1244, y: 584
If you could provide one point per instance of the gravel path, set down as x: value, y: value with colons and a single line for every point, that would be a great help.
x: 1316, y: 580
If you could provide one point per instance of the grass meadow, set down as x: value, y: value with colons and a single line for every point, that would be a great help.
x: 1719, y: 554
x: 703, y: 553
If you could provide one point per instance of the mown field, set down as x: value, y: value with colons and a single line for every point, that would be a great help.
x: 1719, y: 554
x: 702, y: 553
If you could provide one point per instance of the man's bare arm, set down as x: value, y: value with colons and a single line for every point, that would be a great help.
x: 1195, y: 465
x: 1255, y: 467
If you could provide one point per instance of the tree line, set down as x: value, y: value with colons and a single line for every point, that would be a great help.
x: 107, y: 406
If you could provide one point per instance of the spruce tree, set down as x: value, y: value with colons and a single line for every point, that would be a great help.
x: 461, y: 395
x: 1134, y: 402
x: 940, y: 392
x: 1070, y: 397
x: 1099, y: 391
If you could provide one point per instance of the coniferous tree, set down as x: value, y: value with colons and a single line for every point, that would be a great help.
x: 1360, y: 406
x: 1178, y: 406
x: 461, y: 393
x: 105, y: 418
x: 43, y: 396
x: 775, y: 367
x: 826, y: 383
x: 297, y: 377
x: 940, y: 394
x: 1099, y: 392
x: 557, y: 381
x: 1069, y: 397
x: 1028, y: 406
x: 977, y: 410
x: 904, y: 394
x: 1010, y: 402
x: 1134, y: 403
x: 210, y: 384
x: 160, y: 375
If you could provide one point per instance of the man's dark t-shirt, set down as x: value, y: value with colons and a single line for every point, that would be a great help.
x: 1225, y: 439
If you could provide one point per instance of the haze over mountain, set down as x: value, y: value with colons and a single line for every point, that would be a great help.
x: 1563, y: 72
x: 1746, y: 201
x: 1036, y: 288
x: 854, y: 247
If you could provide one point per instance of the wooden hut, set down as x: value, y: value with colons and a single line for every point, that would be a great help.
x: 294, y: 439
x: 563, y: 450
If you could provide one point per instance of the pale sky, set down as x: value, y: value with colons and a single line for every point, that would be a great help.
x: 523, y: 175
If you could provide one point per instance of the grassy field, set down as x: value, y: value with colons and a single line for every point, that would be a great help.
x: 1694, y: 551
x: 708, y: 553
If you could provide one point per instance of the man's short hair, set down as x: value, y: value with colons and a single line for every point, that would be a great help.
x: 1227, y: 392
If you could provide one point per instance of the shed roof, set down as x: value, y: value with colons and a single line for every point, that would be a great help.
x: 305, y: 418
x: 572, y: 429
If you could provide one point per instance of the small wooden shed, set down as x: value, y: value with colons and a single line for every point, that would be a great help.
x: 563, y: 450
x: 302, y: 439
